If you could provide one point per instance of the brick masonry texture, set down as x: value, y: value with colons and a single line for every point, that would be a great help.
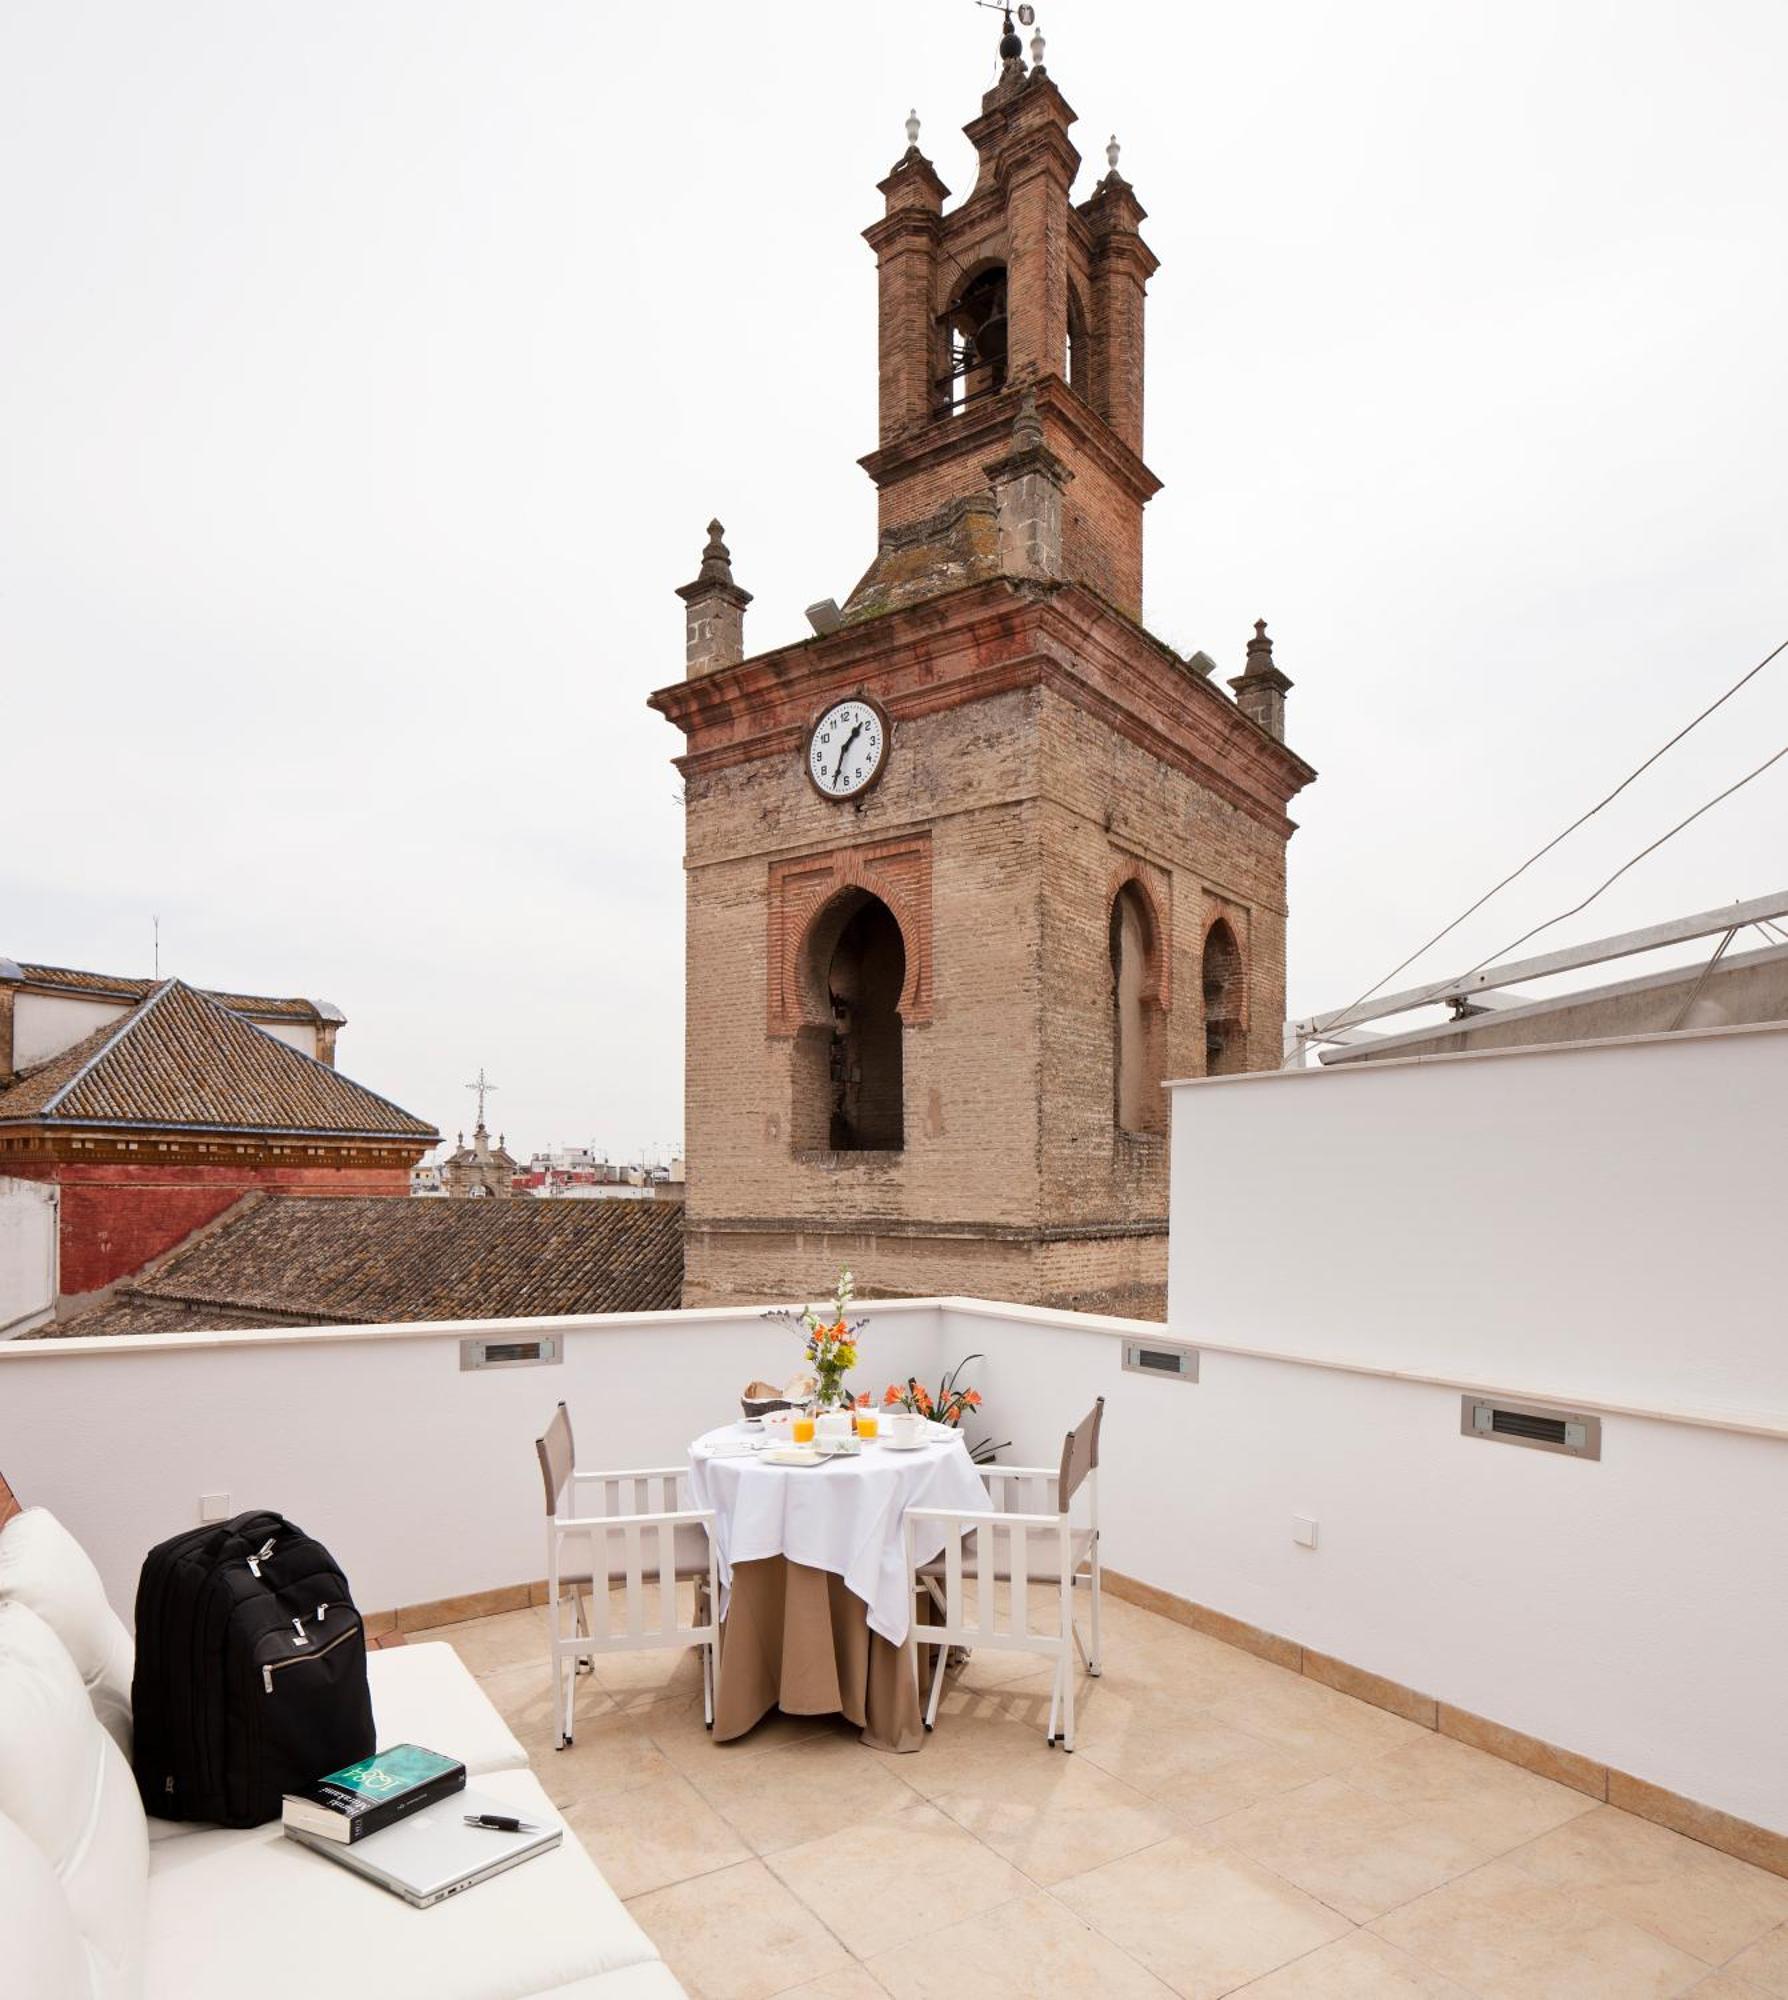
x: 1044, y: 752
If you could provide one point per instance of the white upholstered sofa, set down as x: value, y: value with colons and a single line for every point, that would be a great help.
x: 98, y: 1903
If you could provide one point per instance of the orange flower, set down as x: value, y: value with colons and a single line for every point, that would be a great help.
x: 973, y: 1399
x: 863, y: 1400
x: 891, y: 1394
x: 922, y: 1396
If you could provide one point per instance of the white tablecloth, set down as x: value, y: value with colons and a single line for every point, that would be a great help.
x: 844, y: 1516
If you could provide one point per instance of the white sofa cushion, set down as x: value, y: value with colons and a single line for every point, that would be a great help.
x: 633, y: 1982
x: 64, y: 1783
x: 40, y: 1949
x: 221, y: 1901
x: 42, y: 1565
x: 425, y: 1694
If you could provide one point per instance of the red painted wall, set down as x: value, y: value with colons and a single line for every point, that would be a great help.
x: 116, y: 1219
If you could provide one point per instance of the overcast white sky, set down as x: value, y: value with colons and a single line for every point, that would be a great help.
x: 368, y: 372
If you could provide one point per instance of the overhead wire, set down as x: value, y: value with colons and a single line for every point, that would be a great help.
x: 1333, y: 1022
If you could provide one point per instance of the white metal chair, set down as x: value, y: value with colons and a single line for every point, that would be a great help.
x: 1017, y: 1548
x: 640, y: 1535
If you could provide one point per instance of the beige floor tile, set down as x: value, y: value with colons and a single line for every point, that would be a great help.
x: 849, y: 1982
x: 609, y: 1752
x: 487, y: 1645
x: 1492, y: 1804
x: 1303, y: 1715
x: 654, y: 1835
x: 1054, y: 1816
x: 1727, y: 1986
x: 1204, y: 1768
x: 678, y: 1728
x: 652, y: 1676
x: 1356, y: 1967
x: 738, y: 1935
x: 1692, y: 1896
x: 803, y: 1791
x: 873, y: 1884
x: 1203, y: 1920
x: 1360, y: 1855
x: 1506, y: 1936
x: 1019, y: 1951
x: 1765, y: 1964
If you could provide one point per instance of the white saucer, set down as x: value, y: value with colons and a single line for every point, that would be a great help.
x: 918, y: 1444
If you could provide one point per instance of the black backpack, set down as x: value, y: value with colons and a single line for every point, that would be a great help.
x: 251, y: 1671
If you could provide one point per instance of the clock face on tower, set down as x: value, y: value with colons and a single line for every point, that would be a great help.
x: 847, y: 748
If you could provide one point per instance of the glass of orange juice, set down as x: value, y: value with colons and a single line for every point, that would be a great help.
x: 867, y: 1423
x: 801, y: 1430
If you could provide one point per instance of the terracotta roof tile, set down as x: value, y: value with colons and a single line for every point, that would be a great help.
x: 116, y: 986
x: 182, y: 1059
x: 296, y: 1260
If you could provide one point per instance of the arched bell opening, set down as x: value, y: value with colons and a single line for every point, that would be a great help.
x: 850, y: 1082
x: 1136, y: 1031
x: 976, y: 339
x: 1078, y: 356
x: 1225, y: 1035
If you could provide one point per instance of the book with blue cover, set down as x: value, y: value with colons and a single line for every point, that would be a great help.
x: 375, y: 1793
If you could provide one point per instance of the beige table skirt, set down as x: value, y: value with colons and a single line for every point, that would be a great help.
x: 795, y: 1638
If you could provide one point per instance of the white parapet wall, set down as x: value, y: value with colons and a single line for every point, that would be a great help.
x: 1593, y: 1227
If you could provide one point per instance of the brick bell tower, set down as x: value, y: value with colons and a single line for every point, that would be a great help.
x: 979, y: 866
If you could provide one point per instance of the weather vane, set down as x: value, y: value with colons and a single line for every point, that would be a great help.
x: 1011, y: 48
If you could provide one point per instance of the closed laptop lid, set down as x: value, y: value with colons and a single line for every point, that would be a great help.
x: 434, y: 1852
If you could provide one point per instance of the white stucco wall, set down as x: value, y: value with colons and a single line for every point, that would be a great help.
x: 44, y: 1024
x: 27, y: 1254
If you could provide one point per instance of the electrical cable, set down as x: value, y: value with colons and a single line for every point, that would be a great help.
x: 1341, y: 1020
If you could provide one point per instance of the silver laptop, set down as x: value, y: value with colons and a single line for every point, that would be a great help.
x: 435, y: 1854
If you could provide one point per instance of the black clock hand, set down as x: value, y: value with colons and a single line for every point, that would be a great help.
x: 844, y: 751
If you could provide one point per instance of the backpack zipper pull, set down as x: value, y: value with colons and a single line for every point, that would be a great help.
x: 298, y: 1628
x: 266, y: 1682
x: 260, y: 1556
x: 322, y: 1613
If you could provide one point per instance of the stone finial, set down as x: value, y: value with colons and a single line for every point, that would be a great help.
x: 717, y: 558
x: 912, y: 129
x: 1037, y: 47
x: 1027, y: 426
x: 1111, y: 153
x: 714, y: 627
x: 1260, y: 687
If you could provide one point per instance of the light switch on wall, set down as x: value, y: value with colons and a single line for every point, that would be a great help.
x: 214, y: 1506
x: 1303, y: 1531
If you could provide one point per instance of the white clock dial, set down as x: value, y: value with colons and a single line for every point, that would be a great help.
x: 847, y: 748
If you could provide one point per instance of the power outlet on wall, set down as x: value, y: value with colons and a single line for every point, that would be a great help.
x: 1303, y: 1531
x: 214, y: 1506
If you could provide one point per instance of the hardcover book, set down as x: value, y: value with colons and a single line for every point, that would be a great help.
x: 375, y: 1793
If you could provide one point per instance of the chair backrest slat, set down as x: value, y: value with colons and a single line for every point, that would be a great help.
x: 667, y: 1571
x: 555, y: 1452
x: 1080, y: 1453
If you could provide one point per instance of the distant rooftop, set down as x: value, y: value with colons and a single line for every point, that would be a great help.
x: 117, y: 986
x: 181, y: 1058
x: 285, y: 1260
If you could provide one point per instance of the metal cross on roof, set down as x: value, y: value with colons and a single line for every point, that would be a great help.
x: 482, y: 1085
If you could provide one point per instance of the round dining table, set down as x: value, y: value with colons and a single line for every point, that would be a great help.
x: 817, y: 1611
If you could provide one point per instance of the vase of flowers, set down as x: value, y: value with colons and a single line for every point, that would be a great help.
x: 949, y: 1405
x: 831, y: 1343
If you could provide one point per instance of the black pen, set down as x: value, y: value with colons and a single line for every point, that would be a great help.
x: 500, y: 1823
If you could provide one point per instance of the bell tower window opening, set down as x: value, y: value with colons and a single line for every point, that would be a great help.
x: 975, y: 342
x: 1225, y: 1040
x: 1137, y: 1104
x: 850, y: 1085
x: 1076, y: 356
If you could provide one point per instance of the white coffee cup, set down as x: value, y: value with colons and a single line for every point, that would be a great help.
x: 778, y: 1426
x: 907, y: 1427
